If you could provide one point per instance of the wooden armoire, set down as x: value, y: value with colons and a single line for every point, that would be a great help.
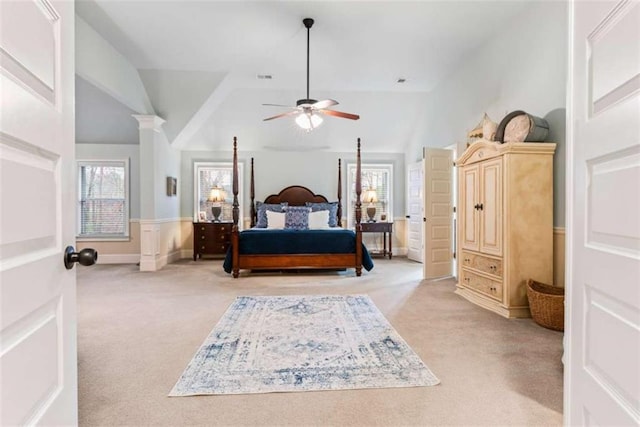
x: 505, y: 217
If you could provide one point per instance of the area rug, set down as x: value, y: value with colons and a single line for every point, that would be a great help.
x: 267, y: 344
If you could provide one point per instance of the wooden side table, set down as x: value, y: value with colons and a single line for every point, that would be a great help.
x: 386, y: 228
x: 211, y: 238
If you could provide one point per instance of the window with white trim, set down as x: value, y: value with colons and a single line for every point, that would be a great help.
x: 210, y: 175
x: 103, y: 199
x: 376, y: 178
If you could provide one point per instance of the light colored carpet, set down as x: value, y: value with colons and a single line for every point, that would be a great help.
x: 266, y: 344
x: 138, y: 331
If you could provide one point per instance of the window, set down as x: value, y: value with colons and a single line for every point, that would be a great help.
x: 207, y: 176
x: 103, y: 202
x: 375, y: 177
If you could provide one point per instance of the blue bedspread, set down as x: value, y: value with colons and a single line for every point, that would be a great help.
x: 261, y: 241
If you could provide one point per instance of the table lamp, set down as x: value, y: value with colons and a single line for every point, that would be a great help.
x: 371, y: 197
x: 217, y: 196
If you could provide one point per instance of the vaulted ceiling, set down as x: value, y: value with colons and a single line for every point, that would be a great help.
x: 200, y: 60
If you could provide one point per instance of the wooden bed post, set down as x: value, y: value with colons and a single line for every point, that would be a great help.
x: 339, y: 213
x: 235, y: 234
x: 358, y: 188
x: 252, y: 209
x: 358, y: 227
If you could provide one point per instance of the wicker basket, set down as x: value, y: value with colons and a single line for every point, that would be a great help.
x: 546, y: 304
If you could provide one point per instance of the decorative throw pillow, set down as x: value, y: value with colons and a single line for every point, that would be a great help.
x: 297, y: 217
x: 261, y: 212
x: 319, y: 220
x: 275, y: 220
x: 332, y: 207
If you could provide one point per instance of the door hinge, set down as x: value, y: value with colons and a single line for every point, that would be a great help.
x: 454, y: 255
x: 454, y: 209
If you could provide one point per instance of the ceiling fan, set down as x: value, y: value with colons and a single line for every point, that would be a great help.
x: 308, y: 110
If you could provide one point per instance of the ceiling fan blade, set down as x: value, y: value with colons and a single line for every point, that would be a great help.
x: 279, y: 105
x: 290, y: 113
x: 325, y: 103
x: 339, y: 114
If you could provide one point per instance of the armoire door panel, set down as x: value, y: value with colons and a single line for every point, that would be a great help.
x: 491, y: 208
x: 470, y: 215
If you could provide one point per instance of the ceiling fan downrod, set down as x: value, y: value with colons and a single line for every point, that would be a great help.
x: 308, y: 23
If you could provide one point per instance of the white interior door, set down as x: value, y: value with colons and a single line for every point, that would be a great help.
x: 38, y: 320
x: 602, y: 382
x: 438, y: 212
x: 415, y: 241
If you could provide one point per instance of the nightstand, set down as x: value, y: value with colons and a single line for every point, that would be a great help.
x: 386, y: 228
x: 211, y: 238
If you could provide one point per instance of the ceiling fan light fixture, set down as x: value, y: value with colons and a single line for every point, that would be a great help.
x: 308, y: 121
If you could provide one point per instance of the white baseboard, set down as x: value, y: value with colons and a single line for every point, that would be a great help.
x: 155, y: 264
x: 174, y: 256
x: 400, y: 251
x: 118, y: 259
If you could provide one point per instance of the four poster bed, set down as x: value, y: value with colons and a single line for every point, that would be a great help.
x: 325, y: 245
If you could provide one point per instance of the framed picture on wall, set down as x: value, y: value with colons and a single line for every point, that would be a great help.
x: 172, y: 186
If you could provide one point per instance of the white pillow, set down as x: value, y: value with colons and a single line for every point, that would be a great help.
x: 319, y: 220
x: 275, y: 220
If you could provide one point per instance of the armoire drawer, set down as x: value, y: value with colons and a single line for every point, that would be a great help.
x: 481, y: 284
x: 482, y: 263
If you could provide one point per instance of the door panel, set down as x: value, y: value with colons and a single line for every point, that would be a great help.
x: 470, y: 233
x: 438, y: 209
x: 416, y: 206
x: 37, y: 326
x: 491, y: 209
x: 602, y: 384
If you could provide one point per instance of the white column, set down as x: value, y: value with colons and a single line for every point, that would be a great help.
x: 149, y: 127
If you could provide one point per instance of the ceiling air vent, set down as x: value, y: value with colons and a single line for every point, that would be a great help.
x: 265, y: 76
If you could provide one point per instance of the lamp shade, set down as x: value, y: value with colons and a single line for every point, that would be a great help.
x: 308, y: 121
x: 217, y: 194
x: 370, y: 196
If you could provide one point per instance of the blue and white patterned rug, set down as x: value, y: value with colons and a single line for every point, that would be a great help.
x: 267, y: 344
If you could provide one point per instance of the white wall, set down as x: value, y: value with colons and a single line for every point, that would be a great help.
x: 166, y: 164
x: 103, y: 66
x: 275, y: 170
x: 522, y: 68
x: 387, y: 119
x: 158, y: 161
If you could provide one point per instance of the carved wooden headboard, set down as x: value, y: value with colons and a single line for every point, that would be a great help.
x: 296, y: 195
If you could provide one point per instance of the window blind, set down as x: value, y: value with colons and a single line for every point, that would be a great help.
x: 209, y: 177
x: 373, y: 177
x: 103, y: 199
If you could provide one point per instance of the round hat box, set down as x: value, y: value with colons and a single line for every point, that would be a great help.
x: 519, y: 126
